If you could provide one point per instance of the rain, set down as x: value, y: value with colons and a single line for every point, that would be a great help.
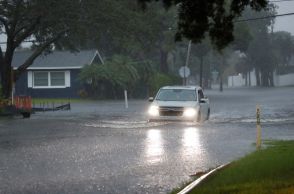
x: 89, y: 128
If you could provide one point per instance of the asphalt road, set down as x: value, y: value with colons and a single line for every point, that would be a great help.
x: 100, y: 147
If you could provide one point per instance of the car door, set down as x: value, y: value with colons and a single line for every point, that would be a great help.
x: 203, y: 103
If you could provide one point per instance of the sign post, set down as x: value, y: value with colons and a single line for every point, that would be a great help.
x: 184, y: 72
x: 126, y: 99
x: 258, y: 128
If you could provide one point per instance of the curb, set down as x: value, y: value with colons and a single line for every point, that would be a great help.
x: 200, y: 179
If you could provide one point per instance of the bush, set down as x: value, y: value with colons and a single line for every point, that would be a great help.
x: 83, y: 93
x: 159, y: 80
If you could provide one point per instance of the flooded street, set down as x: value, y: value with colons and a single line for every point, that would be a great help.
x: 100, y: 147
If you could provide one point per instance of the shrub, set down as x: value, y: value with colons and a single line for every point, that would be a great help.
x: 159, y: 80
x: 83, y: 93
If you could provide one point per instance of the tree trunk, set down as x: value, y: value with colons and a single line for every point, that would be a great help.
x: 249, y: 77
x: 271, y: 79
x: 207, y: 76
x: 221, y: 71
x: 201, y: 71
x: 257, y: 75
x: 262, y: 77
x: 6, y: 80
x: 6, y: 69
x: 163, y: 61
x: 1, y: 70
x: 265, y: 78
x: 221, y: 82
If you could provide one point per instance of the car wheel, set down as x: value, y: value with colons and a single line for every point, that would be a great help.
x: 208, y: 114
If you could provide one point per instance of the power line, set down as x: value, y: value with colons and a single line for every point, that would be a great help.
x: 265, y: 17
x: 279, y: 1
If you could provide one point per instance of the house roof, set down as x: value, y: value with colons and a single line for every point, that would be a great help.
x: 57, y: 59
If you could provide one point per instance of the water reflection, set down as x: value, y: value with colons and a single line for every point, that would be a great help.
x: 154, y: 146
x: 191, y: 143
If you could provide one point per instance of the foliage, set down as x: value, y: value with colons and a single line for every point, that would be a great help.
x: 145, y: 70
x: 1, y: 107
x: 243, y: 37
x: 110, y: 25
x: 216, y: 18
x: 284, y: 45
x: 116, y: 74
x: 43, y: 23
x: 159, y: 79
x: 142, y: 35
x: 201, y: 50
x: 260, y: 53
x: 118, y: 71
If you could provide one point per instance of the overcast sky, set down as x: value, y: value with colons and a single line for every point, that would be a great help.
x: 285, y: 23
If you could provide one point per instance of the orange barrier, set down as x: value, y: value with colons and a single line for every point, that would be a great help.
x: 23, y: 102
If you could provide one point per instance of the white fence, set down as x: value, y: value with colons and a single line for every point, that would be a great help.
x: 279, y: 80
x: 284, y: 80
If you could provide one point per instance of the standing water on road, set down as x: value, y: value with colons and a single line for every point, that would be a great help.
x: 101, y: 147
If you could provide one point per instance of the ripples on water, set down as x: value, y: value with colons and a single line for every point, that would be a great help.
x: 124, y: 124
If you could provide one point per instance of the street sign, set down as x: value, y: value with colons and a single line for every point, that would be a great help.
x: 184, y: 72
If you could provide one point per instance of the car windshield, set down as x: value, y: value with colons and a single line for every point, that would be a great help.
x: 176, y: 95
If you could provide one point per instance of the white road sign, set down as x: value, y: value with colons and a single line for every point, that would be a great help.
x: 184, y: 72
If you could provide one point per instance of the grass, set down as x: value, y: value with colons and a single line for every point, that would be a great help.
x: 266, y: 171
x: 66, y: 100
x: 56, y: 100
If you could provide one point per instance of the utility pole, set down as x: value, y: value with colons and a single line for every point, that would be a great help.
x: 187, y: 62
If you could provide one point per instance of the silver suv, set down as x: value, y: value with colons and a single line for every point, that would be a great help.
x: 179, y: 103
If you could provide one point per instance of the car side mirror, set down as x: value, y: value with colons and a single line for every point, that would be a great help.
x: 150, y: 99
x: 203, y: 100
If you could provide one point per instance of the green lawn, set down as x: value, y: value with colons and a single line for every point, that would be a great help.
x: 266, y: 171
x: 56, y: 100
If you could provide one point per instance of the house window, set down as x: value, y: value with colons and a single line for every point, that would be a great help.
x: 57, y: 78
x: 41, y: 79
x: 49, y: 79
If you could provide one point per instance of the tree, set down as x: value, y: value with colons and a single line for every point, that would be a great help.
x: 201, y: 50
x: 198, y: 17
x: 163, y: 22
x: 260, y: 53
x: 66, y: 23
x: 284, y: 46
x: 139, y: 34
x: 118, y: 73
x: 45, y: 22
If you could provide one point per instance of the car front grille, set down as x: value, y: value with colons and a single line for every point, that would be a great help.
x: 171, y: 111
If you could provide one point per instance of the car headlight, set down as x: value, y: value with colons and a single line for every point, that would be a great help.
x: 189, y: 112
x: 153, y: 110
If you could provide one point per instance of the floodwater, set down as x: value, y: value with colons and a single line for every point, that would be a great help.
x: 101, y: 147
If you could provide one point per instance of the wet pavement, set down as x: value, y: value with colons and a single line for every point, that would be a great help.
x: 100, y: 147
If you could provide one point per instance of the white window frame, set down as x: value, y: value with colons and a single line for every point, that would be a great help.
x: 31, y: 79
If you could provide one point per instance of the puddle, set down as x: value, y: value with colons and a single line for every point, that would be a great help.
x: 124, y: 124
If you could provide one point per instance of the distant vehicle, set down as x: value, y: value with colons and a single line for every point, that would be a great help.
x: 186, y: 103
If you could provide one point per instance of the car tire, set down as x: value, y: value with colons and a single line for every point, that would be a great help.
x: 208, y: 114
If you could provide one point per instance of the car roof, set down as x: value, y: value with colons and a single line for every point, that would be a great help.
x: 182, y: 87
